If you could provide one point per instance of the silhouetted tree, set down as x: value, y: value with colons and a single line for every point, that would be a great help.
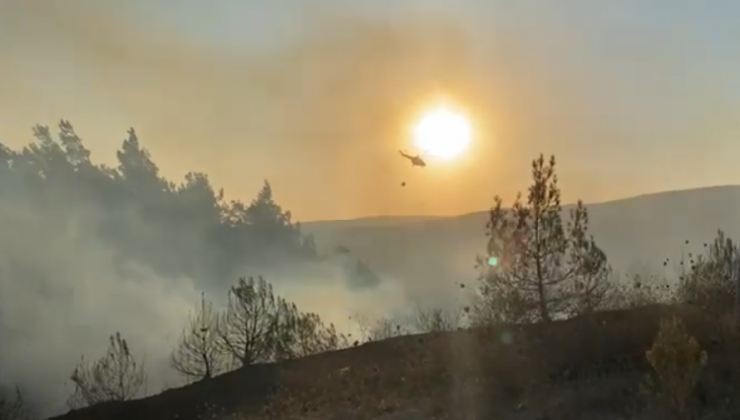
x: 138, y: 169
x: 198, y: 355
x: 536, y: 267
x: 275, y: 235
x: 195, y: 220
x: 117, y: 376
x: 248, y: 327
x: 301, y: 334
x: 428, y: 320
x: 258, y: 326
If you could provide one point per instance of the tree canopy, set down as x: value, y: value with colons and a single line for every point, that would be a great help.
x: 177, y: 228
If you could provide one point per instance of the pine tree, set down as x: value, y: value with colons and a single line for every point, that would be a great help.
x: 536, y: 267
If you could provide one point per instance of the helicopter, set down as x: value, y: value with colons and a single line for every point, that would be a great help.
x: 415, y: 160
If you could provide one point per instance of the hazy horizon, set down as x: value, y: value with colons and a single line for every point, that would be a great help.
x: 566, y: 204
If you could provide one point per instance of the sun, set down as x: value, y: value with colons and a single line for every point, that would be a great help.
x: 442, y: 132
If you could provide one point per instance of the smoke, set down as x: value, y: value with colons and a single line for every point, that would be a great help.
x: 62, y: 294
x: 326, y: 290
x: 64, y: 290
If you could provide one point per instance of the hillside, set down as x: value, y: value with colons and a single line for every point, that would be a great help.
x: 636, y: 233
x: 588, y: 367
x: 584, y: 368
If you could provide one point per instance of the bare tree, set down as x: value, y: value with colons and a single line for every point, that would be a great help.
x: 198, y: 355
x: 300, y: 334
x: 258, y: 326
x: 427, y: 320
x: 117, y: 376
x: 535, y: 266
x: 376, y: 329
x: 248, y: 328
x: 15, y: 407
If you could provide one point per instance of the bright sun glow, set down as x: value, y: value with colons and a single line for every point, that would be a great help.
x: 443, y: 133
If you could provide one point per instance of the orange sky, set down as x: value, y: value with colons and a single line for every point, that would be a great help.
x: 322, y: 114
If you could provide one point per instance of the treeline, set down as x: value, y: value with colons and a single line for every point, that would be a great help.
x: 178, y: 229
x: 184, y: 228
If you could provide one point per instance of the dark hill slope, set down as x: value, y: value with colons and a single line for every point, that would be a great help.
x: 588, y: 367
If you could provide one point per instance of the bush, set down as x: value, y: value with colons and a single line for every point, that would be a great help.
x: 710, y: 280
x: 431, y: 320
x: 639, y: 290
x: 677, y: 360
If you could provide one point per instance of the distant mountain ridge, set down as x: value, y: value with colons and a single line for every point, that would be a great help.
x: 637, y: 233
x: 372, y: 221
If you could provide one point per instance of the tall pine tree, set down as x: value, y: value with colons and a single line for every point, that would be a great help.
x: 536, y: 266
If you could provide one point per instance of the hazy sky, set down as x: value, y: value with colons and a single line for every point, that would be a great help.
x: 633, y: 96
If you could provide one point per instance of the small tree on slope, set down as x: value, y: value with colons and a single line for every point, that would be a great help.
x: 198, y: 354
x: 677, y: 359
x: 537, y: 267
x: 259, y: 326
x: 117, y: 376
x: 247, y: 327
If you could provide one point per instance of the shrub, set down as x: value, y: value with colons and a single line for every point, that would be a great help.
x: 677, y: 360
x: 710, y: 280
x: 431, y: 320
